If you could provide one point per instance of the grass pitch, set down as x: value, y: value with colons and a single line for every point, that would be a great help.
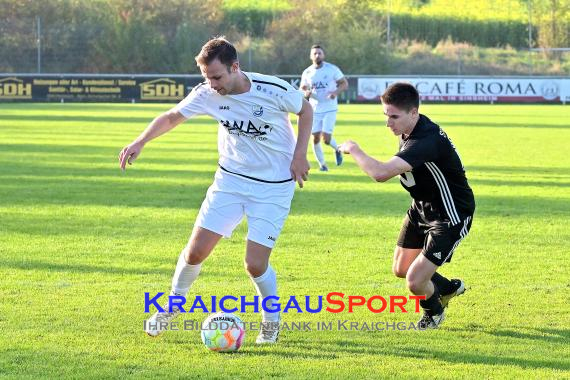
x: 80, y: 243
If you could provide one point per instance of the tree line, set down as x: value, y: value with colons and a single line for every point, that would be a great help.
x: 162, y: 36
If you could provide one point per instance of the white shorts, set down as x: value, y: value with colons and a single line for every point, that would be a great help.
x: 230, y: 197
x: 324, y: 122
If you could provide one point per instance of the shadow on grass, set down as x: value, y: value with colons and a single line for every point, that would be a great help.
x: 530, y: 171
x: 186, y: 188
x: 119, y: 190
x: 40, y: 362
x: 36, y: 265
x: 502, y: 124
x: 516, y: 183
x: 87, y: 107
x: 549, y: 335
x: 379, y: 122
x: 417, y: 351
x: 108, y: 151
x: 74, y: 268
x: 103, y: 119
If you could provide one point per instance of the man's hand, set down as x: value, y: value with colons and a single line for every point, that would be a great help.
x: 332, y: 95
x: 129, y: 154
x: 348, y: 147
x: 300, y: 169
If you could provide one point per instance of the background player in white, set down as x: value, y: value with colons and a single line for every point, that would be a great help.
x: 259, y: 162
x: 322, y: 82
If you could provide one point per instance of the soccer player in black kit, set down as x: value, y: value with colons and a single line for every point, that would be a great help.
x: 443, y: 204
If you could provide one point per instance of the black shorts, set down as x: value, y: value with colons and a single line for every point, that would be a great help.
x: 438, y: 239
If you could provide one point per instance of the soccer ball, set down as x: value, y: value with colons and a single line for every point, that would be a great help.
x: 222, y: 332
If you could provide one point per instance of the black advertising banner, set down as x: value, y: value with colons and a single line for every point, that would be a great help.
x: 111, y: 88
x: 72, y: 88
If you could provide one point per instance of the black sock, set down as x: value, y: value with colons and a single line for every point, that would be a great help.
x: 443, y: 284
x: 432, y: 305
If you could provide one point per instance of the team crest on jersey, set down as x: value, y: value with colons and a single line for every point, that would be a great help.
x: 257, y: 110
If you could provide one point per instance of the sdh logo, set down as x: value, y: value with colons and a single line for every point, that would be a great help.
x: 14, y: 88
x: 162, y: 89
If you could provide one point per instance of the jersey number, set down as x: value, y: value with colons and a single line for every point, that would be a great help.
x: 407, y: 179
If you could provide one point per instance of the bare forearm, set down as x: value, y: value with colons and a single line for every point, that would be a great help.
x: 159, y: 126
x: 342, y: 85
x: 368, y: 164
x: 305, y: 124
x: 377, y: 170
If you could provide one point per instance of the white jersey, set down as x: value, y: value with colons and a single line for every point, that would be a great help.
x: 255, y: 135
x: 322, y: 81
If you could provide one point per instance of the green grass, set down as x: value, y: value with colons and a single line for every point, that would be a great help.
x: 80, y: 243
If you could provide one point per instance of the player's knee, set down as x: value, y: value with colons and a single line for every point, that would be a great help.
x: 195, y: 254
x: 254, y: 268
x: 399, y: 271
x: 414, y: 284
x: 327, y: 140
x: 316, y: 139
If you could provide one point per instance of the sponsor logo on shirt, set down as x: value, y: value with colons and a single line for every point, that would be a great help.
x: 224, y: 107
x: 246, y: 128
x: 319, y: 85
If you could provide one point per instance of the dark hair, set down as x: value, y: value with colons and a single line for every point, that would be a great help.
x: 219, y: 48
x: 401, y: 95
x: 317, y: 46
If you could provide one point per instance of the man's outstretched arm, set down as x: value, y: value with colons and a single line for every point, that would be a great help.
x: 377, y: 170
x: 160, y: 125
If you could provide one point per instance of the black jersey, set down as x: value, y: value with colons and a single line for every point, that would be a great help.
x: 437, y: 181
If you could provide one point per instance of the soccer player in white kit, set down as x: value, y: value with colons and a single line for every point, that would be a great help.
x: 322, y: 82
x: 259, y: 162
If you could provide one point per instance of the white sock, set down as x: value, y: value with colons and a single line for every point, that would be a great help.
x: 266, y: 285
x: 318, y: 149
x: 333, y: 144
x: 184, y: 276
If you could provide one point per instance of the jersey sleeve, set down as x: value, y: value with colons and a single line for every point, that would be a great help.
x: 304, y: 79
x: 292, y: 100
x: 193, y: 104
x: 416, y: 152
x: 338, y: 75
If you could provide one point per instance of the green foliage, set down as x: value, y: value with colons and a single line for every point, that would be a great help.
x: 553, y: 19
x: 250, y: 21
x: 80, y: 243
x: 294, y: 33
x: 112, y: 36
x: 449, y: 57
x: 482, y: 10
x: 154, y: 36
x: 432, y: 29
x: 269, y: 5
